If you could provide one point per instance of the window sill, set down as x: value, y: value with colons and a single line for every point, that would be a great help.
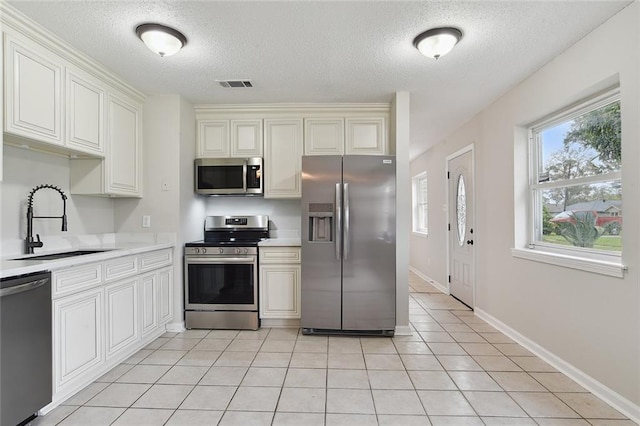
x: 612, y: 269
x: 420, y: 234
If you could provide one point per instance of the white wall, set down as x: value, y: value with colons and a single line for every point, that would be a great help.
x: 192, y: 207
x: 169, y: 151
x: 400, y: 118
x: 590, y: 321
x: 25, y: 169
x: 283, y: 214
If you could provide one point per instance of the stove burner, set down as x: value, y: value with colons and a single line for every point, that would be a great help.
x: 233, y: 231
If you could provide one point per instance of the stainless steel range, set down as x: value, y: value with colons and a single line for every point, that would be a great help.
x: 221, y: 273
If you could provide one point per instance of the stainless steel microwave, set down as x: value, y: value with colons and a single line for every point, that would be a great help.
x: 228, y: 176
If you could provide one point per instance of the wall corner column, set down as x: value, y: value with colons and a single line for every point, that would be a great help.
x: 400, y: 130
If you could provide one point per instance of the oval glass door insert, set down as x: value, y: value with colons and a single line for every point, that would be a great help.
x: 461, y: 210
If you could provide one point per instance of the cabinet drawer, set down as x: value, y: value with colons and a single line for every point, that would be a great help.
x: 155, y: 260
x: 73, y: 280
x: 279, y: 255
x: 120, y: 268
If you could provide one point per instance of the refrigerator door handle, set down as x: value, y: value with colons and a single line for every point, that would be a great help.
x: 346, y: 221
x: 338, y: 226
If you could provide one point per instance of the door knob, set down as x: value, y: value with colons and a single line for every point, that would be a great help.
x: 470, y: 242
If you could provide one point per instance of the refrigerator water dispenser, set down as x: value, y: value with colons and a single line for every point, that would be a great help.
x: 320, y: 222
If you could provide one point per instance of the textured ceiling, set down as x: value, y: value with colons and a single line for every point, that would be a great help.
x: 330, y: 51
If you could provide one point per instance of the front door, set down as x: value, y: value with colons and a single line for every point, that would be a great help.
x: 461, y: 218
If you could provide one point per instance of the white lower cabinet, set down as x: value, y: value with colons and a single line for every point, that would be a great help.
x: 165, y: 295
x: 122, y: 315
x: 149, y: 303
x: 107, y: 320
x: 77, y: 322
x: 279, y: 283
x: 280, y: 291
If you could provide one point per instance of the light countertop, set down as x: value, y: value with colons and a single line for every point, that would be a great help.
x: 10, y: 267
x: 280, y: 242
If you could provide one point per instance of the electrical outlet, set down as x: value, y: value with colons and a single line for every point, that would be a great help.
x: 146, y: 221
x: 165, y: 186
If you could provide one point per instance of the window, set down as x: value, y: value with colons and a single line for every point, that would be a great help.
x: 420, y: 204
x: 575, y: 180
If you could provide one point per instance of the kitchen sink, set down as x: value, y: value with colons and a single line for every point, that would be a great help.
x: 62, y: 255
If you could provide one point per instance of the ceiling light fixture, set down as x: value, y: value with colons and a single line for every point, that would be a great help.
x: 162, y: 40
x: 437, y: 42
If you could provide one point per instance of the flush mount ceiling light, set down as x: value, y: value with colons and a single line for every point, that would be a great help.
x: 162, y: 40
x: 437, y: 42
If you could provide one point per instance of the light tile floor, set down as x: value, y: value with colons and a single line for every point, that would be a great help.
x: 454, y: 369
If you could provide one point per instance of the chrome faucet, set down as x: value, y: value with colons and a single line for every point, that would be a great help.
x: 30, y: 244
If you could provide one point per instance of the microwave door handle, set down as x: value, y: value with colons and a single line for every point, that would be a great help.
x: 244, y: 176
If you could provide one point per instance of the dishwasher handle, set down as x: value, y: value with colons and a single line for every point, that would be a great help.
x: 23, y: 287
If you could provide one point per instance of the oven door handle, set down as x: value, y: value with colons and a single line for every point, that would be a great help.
x: 220, y: 260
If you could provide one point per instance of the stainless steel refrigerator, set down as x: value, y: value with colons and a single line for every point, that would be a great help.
x: 348, y: 244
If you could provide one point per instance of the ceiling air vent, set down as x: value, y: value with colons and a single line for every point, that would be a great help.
x: 235, y: 83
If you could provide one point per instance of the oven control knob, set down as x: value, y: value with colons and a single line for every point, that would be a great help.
x: 246, y: 251
x: 221, y: 250
x: 197, y: 250
x: 237, y: 251
x: 204, y: 250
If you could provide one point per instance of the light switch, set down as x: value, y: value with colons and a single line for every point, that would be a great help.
x: 165, y: 186
x: 146, y: 221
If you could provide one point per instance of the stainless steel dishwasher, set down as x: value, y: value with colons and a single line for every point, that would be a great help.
x: 25, y: 346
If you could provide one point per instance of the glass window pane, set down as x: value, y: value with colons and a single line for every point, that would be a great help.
x: 583, y: 216
x: 461, y: 210
x: 588, y: 145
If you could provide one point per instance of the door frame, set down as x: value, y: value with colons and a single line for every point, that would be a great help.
x: 468, y: 148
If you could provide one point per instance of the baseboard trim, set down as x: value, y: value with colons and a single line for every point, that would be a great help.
x: 430, y: 280
x: 603, y: 392
x: 280, y: 323
x: 403, y: 330
x: 176, y: 327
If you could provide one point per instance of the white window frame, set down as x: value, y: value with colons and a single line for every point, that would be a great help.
x: 599, y: 261
x: 420, y: 199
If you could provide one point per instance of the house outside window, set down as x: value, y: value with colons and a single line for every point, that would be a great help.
x: 420, y: 204
x: 575, y: 180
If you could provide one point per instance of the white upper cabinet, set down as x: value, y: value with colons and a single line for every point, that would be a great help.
x: 360, y: 135
x: 323, y: 136
x: 85, y: 112
x: 229, y: 138
x: 283, y: 158
x: 124, y: 135
x: 366, y: 136
x: 246, y: 138
x: 33, y: 84
x: 213, y: 139
x: 58, y: 100
x: 119, y: 174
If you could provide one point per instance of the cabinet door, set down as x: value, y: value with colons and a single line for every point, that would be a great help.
x: 323, y: 136
x: 283, y: 158
x: 149, y: 303
x: 165, y: 295
x: 367, y: 136
x: 85, y: 102
x: 78, y: 331
x: 213, y: 139
x: 124, y: 146
x: 246, y: 138
x: 122, y: 315
x: 33, y: 84
x: 280, y: 291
